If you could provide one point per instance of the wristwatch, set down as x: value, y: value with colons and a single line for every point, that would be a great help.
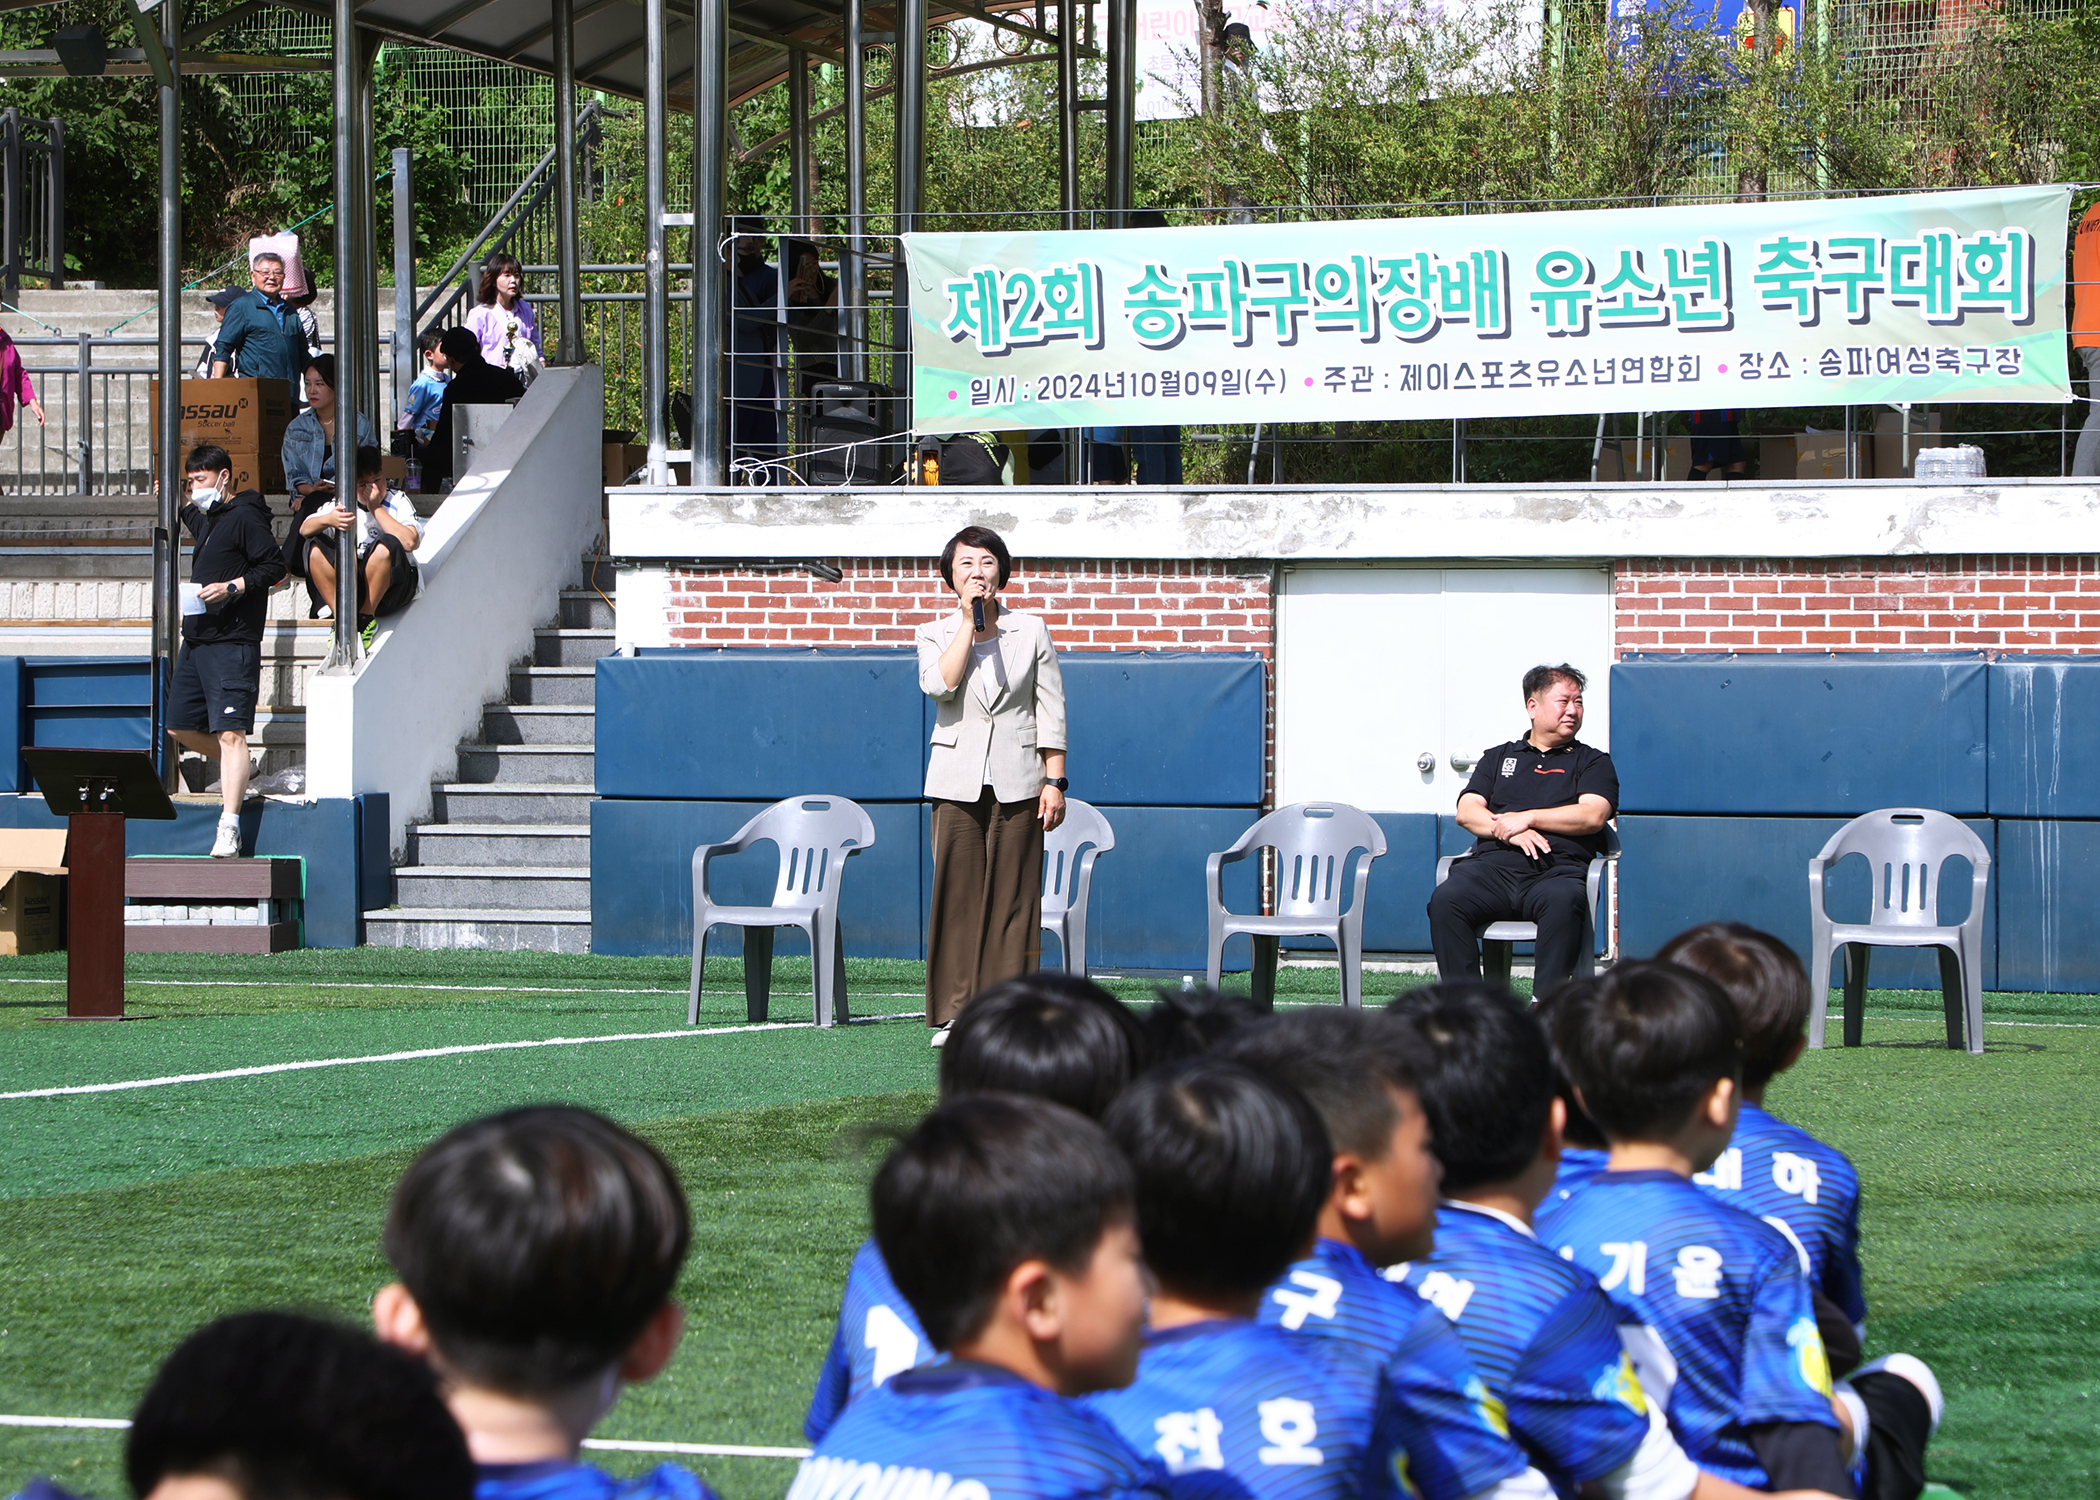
x: 1060, y: 782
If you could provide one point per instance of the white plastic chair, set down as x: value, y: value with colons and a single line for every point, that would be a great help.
x: 1907, y: 849
x: 1498, y: 940
x: 1313, y: 842
x: 816, y: 836
x: 1069, y: 852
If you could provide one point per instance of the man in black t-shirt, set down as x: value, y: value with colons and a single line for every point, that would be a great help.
x: 1538, y: 806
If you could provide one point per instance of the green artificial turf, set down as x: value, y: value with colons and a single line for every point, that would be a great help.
x: 126, y: 1218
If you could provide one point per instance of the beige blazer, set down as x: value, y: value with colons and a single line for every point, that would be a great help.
x: 973, y: 744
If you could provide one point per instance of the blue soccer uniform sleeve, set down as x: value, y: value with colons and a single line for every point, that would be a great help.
x: 1442, y: 1433
x: 834, y: 1386
x: 1574, y: 1398
x: 1785, y: 1373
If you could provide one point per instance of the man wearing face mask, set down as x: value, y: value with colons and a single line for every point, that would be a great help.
x: 211, y: 703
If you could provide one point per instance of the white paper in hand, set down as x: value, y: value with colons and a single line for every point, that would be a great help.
x: 192, y: 604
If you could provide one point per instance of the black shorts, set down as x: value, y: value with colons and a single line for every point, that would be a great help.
x: 216, y: 685
x: 401, y: 587
x: 1713, y: 451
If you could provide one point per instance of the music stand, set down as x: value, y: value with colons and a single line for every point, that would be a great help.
x: 95, y: 791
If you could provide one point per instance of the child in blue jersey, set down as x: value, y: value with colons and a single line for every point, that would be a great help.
x: 1008, y: 1221
x: 1232, y: 1167
x: 1801, y: 1187
x: 1655, y: 1053
x: 1049, y: 1035
x: 1546, y: 1338
x: 537, y: 1251
x: 1380, y: 1208
x: 274, y: 1406
x: 427, y: 394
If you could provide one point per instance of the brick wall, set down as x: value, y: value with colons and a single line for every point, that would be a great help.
x: 2011, y: 602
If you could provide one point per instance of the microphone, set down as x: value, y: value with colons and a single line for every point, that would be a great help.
x: 977, y: 613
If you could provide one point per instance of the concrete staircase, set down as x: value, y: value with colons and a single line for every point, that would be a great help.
x: 506, y: 863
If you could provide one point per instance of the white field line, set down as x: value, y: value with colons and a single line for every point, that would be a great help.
x: 618, y: 1445
x: 467, y: 989
x: 418, y: 1054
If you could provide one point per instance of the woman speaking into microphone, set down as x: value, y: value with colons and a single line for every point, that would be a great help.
x: 995, y: 774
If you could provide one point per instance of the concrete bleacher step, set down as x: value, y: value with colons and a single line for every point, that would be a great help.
x: 538, y: 724
x: 561, y: 931
x: 553, y: 646
x: 565, y: 687
x: 567, y: 764
x: 517, y: 845
x: 512, y: 802
x: 495, y: 887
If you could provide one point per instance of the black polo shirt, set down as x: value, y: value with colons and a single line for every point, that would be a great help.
x: 1519, y: 777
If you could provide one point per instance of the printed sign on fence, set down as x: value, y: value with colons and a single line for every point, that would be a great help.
x: 1929, y: 297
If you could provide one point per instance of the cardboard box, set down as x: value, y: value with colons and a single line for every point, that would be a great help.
x: 32, y: 863
x: 622, y: 459
x: 1820, y: 456
x: 1625, y: 461
x: 1775, y: 456
x: 393, y: 466
x: 1894, y: 456
x: 245, y: 417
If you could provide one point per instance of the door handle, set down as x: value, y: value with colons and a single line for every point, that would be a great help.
x: 1464, y: 762
x: 1426, y: 762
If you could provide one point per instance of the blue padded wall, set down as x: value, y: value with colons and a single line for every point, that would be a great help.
x: 2048, y: 906
x: 2045, y: 762
x: 13, y: 777
x: 1164, y: 728
x: 1147, y: 907
x: 761, y: 725
x: 1800, y: 735
x: 88, y: 702
x: 642, y: 878
x: 1678, y: 872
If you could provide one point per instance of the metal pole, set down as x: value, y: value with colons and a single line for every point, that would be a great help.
x: 167, y: 536
x: 56, y: 229
x: 349, y: 358
x: 367, y: 287
x: 569, y: 348
x: 656, y: 287
x: 1068, y: 115
x: 911, y: 159
x: 404, y: 345
x: 710, y: 280
x: 11, y: 209
x: 798, y: 143
x: 855, y: 271
x: 1122, y: 112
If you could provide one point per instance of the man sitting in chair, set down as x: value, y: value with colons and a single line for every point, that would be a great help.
x: 1538, y: 806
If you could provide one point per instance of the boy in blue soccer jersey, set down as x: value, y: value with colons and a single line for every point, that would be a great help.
x: 1379, y: 1209
x: 1544, y: 1335
x: 1009, y: 1223
x: 1049, y: 1035
x: 1232, y: 1167
x: 1655, y: 1054
x: 1806, y: 1190
x: 537, y: 1251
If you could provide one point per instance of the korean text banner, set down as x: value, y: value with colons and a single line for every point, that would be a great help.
x: 1924, y: 297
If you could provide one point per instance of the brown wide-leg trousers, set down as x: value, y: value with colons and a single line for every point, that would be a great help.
x: 986, y: 923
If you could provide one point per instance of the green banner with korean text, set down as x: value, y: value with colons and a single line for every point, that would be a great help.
x: 1924, y: 297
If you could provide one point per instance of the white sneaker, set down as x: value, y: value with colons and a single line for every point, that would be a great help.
x: 228, y: 844
x: 1918, y: 1373
x: 940, y: 1035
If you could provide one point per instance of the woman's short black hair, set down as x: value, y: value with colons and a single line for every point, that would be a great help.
x: 982, y: 1184
x: 495, y: 266
x: 325, y: 364
x: 538, y: 1243
x: 1484, y: 1074
x: 1643, y: 1042
x: 1232, y: 1169
x: 460, y: 346
x: 1346, y: 1064
x: 976, y: 536
x: 1051, y: 1035
x: 284, y: 1407
x: 1763, y: 976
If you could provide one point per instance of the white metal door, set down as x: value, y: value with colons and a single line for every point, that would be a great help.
x: 1381, y: 671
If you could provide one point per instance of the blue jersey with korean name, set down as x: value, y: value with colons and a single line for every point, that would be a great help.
x: 1578, y: 1164
x: 1724, y: 1293
x: 1449, y: 1430
x: 425, y: 396
x: 878, y: 1335
x: 1235, y: 1409
x: 1803, y: 1188
x: 562, y: 1479
x: 965, y: 1431
x: 1543, y: 1336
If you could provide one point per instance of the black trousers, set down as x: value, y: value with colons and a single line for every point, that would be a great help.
x: 1504, y: 886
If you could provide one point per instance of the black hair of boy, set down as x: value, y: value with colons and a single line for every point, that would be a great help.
x: 1643, y: 1044
x: 982, y: 1184
x: 1580, y: 1130
x: 1040, y: 1036
x: 207, y: 458
x: 1188, y: 1023
x: 368, y: 461
x: 537, y: 1244
x: 1232, y: 1168
x: 1484, y: 1075
x: 1347, y: 1065
x: 1763, y: 976
x: 429, y: 339
x: 284, y: 1407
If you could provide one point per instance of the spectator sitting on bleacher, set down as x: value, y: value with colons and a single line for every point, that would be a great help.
x: 274, y: 1406
x: 310, y: 444
x: 475, y: 382
x: 537, y: 1251
x: 389, y: 531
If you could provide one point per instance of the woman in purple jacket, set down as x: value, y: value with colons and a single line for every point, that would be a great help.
x: 15, y: 388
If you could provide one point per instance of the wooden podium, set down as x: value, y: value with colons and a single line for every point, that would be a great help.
x: 96, y: 790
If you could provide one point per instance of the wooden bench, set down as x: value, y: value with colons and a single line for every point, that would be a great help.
x: 274, y: 888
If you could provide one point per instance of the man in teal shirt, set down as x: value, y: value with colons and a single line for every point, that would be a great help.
x: 262, y: 331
